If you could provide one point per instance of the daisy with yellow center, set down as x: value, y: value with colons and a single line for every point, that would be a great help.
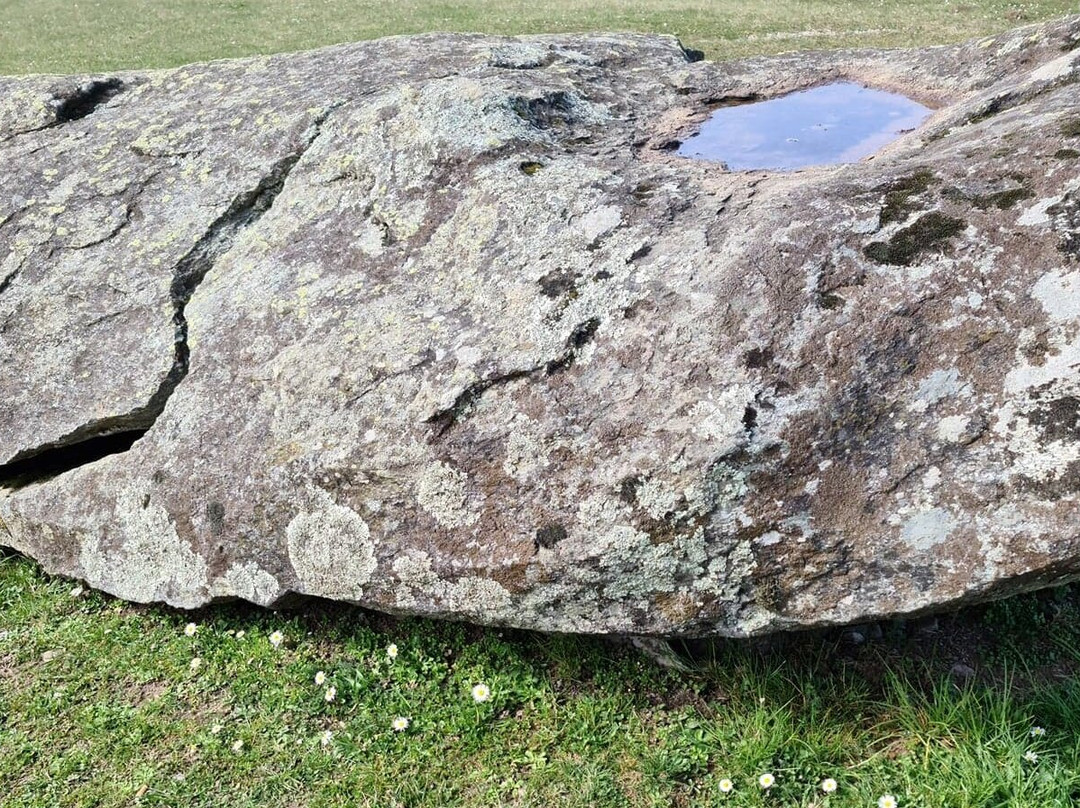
x: 237, y: 745
x: 828, y: 785
x: 276, y: 639
x: 400, y: 724
x: 196, y: 663
x: 326, y: 738
x: 481, y: 692
x: 726, y: 786
x: 391, y: 651
x: 330, y: 695
x: 1037, y: 732
x: 766, y: 780
x: 1031, y: 757
x: 190, y: 629
x: 886, y: 801
x: 320, y: 678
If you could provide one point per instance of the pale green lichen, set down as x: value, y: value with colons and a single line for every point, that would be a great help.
x: 248, y: 581
x: 331, y: 551
x: 442, y: 491
x: 420, y: 585
x: 153, y: 562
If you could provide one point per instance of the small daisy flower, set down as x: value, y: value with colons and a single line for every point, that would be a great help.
x: 400, y: 724
x: 238, y: 745
x: 240, y: 634
x: 326, y: 738
x: 77, y: 592
x: 828, y: 785
x: 196, y: 663
x: 320, y: 678
x: 190, y: 629
x: 766, y: 780
x: 330, y: 694
x: 391, y: 651
x: 216, y: 729
x: 1031, y: 757
x: 276, y: 639
x: 726, y: 786
x: 886, y: 801
x: 1037, y: 732
x: 481, y: 692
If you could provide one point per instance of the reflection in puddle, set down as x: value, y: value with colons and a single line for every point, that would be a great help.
x: 836, y: 123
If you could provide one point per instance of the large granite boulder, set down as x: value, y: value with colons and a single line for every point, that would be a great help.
x: 442, y: 325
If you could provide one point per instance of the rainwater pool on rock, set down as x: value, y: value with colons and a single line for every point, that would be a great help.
x: 836, y: 123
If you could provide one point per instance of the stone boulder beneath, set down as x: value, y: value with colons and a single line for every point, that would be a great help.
x: 441, y: 325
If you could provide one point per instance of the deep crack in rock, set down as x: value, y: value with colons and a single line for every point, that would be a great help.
x: 85, y: 99
x: 116, y: 434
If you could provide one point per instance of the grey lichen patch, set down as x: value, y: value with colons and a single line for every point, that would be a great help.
x: 929, y: 528
x: 152, y: 564
x: 420, y: 586
x: 249, y: 581
x: 442, y: 491
x: 332, y: 552
x: 526, y: 452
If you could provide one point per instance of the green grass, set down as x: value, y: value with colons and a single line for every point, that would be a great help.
x: 99, y: 706
x: 64, y: 36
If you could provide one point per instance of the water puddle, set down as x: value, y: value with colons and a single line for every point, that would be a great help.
x: 835, y: 123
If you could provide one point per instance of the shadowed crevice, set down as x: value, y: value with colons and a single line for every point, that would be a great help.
x: 55, y: 461
x: 86, y: 98
x: 117, y: 434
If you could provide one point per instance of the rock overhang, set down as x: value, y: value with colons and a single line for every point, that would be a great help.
x: 459, y: 335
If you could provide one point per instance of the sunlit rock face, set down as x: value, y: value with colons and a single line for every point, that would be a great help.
x: 447, y: 326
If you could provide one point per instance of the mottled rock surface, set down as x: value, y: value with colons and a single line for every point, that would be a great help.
x: 441, y: 325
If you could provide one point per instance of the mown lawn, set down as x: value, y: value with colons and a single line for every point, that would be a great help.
x: 104, y: 704
x: 41, y: 36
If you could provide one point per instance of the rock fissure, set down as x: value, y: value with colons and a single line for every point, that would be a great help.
x: 86, y: 98
x: 108, y: 436
x: 445, y: 419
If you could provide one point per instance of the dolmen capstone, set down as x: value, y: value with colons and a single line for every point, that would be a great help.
x: 444, y: 325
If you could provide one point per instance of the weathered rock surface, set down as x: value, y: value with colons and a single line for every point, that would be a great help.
x: 441, y: 325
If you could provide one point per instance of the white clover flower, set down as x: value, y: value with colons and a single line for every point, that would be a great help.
x: 77, y: 592
x: 726, y: 786
x: 326, y: 738
x: 828, y: 785
x: 276, y: 639
x: 1031, y: 757
x: 240, y: 634
x: 400, y: 724
x: 196, y: 663
x: 766, y: 780
x: 320, y: 678
x: 190, y: 629
x: 330, y: 694
x: 1037, y: 732
x: 216, y: 729
x: 481, y: 692
x: 237, y: 745
x: 886, y: 801
x: 391, y: 651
